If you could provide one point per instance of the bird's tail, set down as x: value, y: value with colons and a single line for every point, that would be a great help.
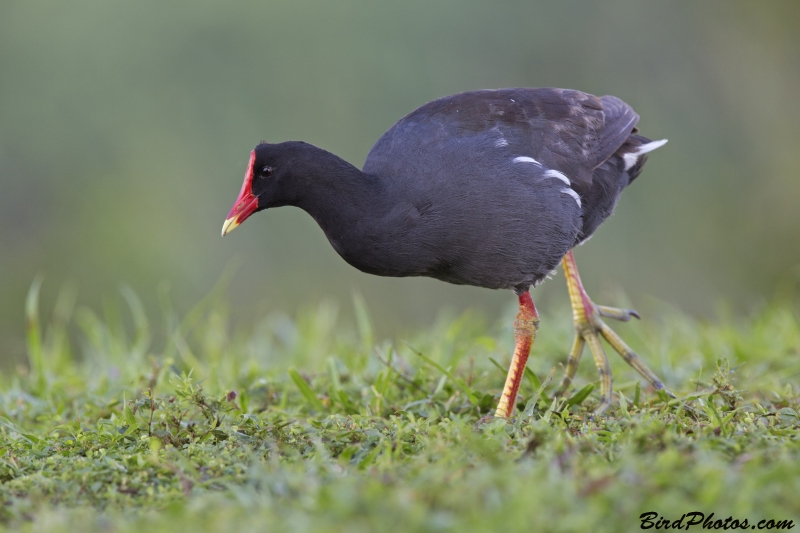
x: 633, y: 153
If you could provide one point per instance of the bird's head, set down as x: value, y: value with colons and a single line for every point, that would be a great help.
x: 264, y: 182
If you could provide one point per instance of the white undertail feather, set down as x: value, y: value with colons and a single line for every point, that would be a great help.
x: 501, y: 142
x: 631, y: 157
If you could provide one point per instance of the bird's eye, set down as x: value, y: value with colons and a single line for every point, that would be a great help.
x: 266, y: 171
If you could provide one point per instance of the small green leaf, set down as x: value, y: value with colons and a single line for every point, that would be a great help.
x: 346, y: 403
x: 440, y: 385
x: 663, y: 396
x: 32, y: 439
x: 370, y: 457
x: 711, y: 411
x: 580, y: 396
x: 623, y: 405
x: 487, y: 402
x: 347, y: 454
x: 531, y: 405
x: 547, y: 414
x: 305, y: 390
x: 130, y: 419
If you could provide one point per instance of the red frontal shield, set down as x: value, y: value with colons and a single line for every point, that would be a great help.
x: 246, y: 203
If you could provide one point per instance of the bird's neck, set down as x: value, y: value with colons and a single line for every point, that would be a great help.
x: 335, y: 193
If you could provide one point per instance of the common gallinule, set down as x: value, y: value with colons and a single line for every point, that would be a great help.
x: 489, y: 188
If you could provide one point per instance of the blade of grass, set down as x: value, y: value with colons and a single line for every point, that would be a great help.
x: 460, y: 383
x: 533, y: 378
x: 580, y: 396
x: 306, y: 391
x: 531, y: 405
x: 34, y: 335
x: 363, y: 322
x: 141, y: 340
x: 498, y: 365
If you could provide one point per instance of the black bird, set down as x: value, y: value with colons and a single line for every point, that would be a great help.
x: 489, y: 188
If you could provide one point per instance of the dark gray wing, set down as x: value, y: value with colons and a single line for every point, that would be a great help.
x: 620, y: 121
x: 565, y: 130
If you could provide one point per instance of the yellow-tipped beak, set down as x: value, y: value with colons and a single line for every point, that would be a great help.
x: 230, y: 225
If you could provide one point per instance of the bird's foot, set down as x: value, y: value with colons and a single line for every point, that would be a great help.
x: 589, y: 327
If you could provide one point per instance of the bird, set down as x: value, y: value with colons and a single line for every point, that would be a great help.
x: 490, y: 188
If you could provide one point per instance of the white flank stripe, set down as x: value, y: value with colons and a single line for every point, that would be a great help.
x: 501, y: 142
x: 525, y: 159
x: 632, y: 157
x: 558, y: 175
x: 573, y: 194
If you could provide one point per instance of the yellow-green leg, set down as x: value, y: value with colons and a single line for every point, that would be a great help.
x: 589, y: 327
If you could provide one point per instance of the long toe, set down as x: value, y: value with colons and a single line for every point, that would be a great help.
x: 603, y: 369
x: 572, y: 364
x: 616, y: 313
x: 630, y: 357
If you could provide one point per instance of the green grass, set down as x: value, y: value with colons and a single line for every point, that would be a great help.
x: 308, y: 424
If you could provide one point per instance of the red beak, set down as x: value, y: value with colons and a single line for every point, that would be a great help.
x: 246, y: 204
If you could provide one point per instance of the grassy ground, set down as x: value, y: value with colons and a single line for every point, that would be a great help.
x: 306, y: 424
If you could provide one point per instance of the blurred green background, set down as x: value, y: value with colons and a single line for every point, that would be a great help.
x: 125, y: 128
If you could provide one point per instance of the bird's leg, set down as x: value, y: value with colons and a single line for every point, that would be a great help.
x: 588, y: 329
x: 525, y: 326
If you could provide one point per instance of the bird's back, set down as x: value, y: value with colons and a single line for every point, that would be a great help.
x: 521, y: 174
